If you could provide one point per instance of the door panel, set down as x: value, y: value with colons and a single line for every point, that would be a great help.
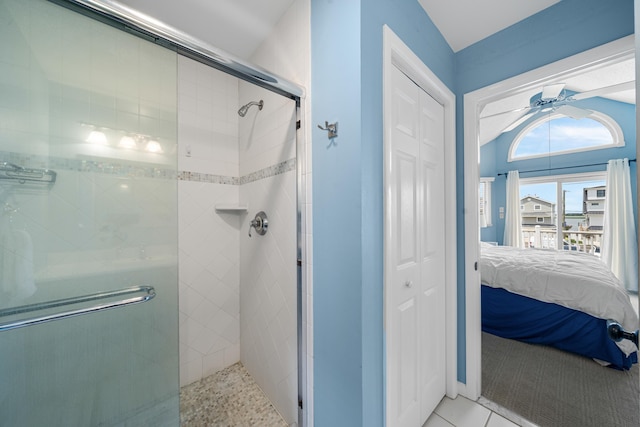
x: 407, y: 209
x: 416, y: 343
x: 432, y: 259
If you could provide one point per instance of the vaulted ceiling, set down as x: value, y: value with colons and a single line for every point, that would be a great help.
x: 240, y: 26
x: 464, y: 22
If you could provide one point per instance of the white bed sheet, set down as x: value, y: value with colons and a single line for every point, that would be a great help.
x: 571, y: 279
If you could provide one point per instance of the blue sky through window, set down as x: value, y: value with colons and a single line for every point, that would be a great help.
x: 563, y: 134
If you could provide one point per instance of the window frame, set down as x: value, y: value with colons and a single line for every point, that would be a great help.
x: 559, y: 180
x: 486, y: 209
x: 608, y: 122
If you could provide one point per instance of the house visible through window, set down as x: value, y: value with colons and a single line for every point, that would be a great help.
x: 563, y: 211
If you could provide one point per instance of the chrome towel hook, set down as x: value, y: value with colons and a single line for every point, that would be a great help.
x: 331, y: 128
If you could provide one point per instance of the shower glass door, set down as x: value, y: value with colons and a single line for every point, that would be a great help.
x: 88, y: 220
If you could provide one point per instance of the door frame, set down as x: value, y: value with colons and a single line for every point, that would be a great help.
x: 615, y: 51
x: 397, y: 54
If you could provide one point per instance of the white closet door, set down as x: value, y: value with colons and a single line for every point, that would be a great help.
x: 414, y: 255
x: 432, y: 256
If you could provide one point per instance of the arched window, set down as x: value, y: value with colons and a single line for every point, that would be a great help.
x: 557, y: 134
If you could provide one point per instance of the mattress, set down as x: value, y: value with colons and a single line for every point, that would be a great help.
x: 574, y: 280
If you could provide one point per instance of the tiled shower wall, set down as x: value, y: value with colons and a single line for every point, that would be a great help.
x: 263, y: 281
x: 268, y: 332
x: 237, y: 294
x: 208, y: 240
x: 286, y: 52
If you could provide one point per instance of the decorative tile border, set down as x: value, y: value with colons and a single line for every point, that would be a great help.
x: 139, y: 170
x: 277, y: 169
x: 208, y: 177
x: 114, y: 167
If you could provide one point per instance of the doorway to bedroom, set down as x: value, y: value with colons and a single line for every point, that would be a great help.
x: 560, y: 194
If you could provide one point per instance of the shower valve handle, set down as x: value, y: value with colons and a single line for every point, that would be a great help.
x: 260, y: 223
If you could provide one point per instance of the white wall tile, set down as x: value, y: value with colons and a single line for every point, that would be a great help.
x: 207, y: 106
x: 265, y: 272
x: 213, y: 363
x: 190, y: 372
x: 287, y: 53
x: 268, y: 288
x: 208, y: 240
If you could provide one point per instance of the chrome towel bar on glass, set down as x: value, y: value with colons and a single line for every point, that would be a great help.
x: 148, y: 292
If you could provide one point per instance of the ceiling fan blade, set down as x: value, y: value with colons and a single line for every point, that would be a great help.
x: 507, y: 112
x: 605, y: 90
x: 518, y: 122
x: 552, y: 91
x: 573, y: 112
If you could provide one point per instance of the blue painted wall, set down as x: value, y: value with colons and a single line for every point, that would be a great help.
x: 493, y: 159
x: 346, y: 60
x: 346, y: 45
x: 337, y: 213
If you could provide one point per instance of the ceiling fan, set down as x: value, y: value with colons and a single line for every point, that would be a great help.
x: 554, y: 98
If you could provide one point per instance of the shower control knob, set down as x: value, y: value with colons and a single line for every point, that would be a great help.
x: 260, y: 223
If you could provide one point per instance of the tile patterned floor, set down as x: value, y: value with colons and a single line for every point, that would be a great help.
x: 229, y: 398
x: 462, y: 412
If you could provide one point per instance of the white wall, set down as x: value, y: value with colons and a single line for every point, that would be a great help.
x: 288, y: 53
x: 268, y: 279
x: 257, y: 274
x: 208, y: 240
x: 268, y: 263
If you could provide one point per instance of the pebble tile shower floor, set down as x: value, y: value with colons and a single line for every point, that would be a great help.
x: 229, y: 398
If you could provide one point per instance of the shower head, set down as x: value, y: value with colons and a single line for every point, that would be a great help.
x: 243, y: 110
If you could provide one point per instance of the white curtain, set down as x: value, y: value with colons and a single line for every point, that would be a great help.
x: 619, y: 246
x: 513, y: 222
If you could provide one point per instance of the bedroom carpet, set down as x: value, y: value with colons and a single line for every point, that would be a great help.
x: 554, y: 388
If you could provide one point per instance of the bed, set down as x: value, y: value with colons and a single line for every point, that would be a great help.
x: 558, y: 298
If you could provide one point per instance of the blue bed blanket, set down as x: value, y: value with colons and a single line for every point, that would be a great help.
x: 518, y: 317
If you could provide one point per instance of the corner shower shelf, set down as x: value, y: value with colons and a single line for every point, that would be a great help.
x: 231, y: 208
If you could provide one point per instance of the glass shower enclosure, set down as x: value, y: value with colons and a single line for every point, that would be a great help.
x: 88, y: 222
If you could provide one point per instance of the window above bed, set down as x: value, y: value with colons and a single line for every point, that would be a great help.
x: 557, y: 134
x: 562, y: 208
